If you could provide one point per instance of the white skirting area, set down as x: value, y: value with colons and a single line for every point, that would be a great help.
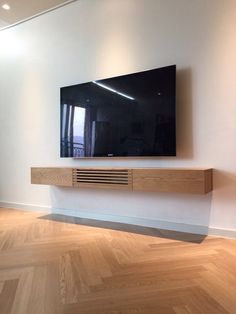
x: 161, y: 224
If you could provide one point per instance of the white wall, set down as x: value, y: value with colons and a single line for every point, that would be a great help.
x: 94, y: 39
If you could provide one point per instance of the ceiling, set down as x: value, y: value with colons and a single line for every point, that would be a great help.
x: 23, y: 9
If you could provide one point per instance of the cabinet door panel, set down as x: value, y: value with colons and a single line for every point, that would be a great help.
x: 172, y: 180
x: 52, y: 176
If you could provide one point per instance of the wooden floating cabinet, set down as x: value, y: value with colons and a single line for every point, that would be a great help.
x: 175, y: 180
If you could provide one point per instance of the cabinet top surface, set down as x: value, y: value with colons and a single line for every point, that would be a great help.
x: 128, y: 168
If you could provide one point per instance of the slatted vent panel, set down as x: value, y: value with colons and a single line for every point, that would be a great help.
x: 103, y: 178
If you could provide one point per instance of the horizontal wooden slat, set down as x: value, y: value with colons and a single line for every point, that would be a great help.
x: 102, y: 172
x: 101, y: 175
x: 103, y: 186
x: 104, y: 181
x: 103, y: 168
x: 100, y: 179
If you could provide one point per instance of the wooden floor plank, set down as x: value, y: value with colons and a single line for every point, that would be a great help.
x: 53, y: 264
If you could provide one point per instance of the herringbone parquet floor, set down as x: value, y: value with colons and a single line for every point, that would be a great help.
x: 56, y: 264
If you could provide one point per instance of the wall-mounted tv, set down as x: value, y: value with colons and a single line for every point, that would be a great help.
x: 128, y: 115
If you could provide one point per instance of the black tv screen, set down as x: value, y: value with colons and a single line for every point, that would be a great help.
x: 128, y: 115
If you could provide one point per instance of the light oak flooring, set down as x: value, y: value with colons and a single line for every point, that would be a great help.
x: 56, y: 264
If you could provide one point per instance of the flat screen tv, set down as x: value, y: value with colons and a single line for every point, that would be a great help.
x: 128, y: 115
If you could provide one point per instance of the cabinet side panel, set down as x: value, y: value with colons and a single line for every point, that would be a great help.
x: 208, y: 180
